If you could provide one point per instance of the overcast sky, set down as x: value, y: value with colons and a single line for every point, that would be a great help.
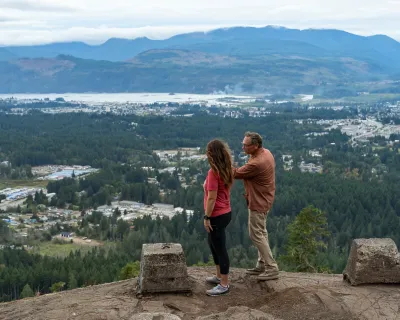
x: 25, y: 22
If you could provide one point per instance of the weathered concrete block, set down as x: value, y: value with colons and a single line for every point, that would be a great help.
x: 373, y: 261
x: 163, y: 269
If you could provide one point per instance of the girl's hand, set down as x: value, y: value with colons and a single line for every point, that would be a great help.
x: 207, y: 225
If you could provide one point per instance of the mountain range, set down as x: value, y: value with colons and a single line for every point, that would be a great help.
x: 244, y: 59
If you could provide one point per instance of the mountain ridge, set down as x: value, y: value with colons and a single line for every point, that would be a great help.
x: 116, y: 49
x: 176, y: 70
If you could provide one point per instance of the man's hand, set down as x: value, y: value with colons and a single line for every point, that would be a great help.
x: 207, y: 225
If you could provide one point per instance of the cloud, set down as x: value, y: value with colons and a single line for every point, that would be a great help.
x: 101, y: 34
x: 29, y: 5
x: 94, y: 21
x: 95, y: 35
x: 5, y: 19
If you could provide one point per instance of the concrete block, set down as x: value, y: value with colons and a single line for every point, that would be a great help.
x: 163, y: 269
x: 373, y: 261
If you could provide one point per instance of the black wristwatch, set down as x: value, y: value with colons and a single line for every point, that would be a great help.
x: 206, y: 217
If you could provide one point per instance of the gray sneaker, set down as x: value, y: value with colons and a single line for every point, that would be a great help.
x: 217, y: 291
x: 268, y: 275
x: 256, y: 271
x: 213, y: 280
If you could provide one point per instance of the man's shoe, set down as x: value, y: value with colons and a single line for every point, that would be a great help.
x: 256, y: 271
x: 217, y: 291
x: 213, y: 280
x: 268, y: 275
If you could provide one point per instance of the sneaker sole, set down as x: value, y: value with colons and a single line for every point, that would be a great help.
x: 216, y: 295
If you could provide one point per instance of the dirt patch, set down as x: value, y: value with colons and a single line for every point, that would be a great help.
x: 297, y: 303
x: 80, y: 241
x: 87, y: 242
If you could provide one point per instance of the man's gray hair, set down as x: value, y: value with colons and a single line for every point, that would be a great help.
x: 255, y: 138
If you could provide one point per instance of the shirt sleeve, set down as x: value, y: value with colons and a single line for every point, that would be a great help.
x: 212, y: 181
x: 248, y: 171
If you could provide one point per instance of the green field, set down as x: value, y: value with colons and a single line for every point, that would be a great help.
x: 22, y: 183
x: 59, y: 250
x: 62, y: 250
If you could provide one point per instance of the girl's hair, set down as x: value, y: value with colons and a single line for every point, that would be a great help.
x: 219, y: 158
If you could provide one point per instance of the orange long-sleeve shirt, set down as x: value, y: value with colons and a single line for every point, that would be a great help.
x: 258, y: 175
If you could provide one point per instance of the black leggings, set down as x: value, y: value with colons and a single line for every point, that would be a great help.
x: 217, y: 241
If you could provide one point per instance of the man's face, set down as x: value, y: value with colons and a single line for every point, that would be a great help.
x: 248, y: 147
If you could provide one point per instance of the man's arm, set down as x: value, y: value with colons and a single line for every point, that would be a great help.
x: 248, y: 171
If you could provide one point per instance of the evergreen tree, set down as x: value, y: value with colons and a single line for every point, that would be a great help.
x: 72, y: 282
x: 131, y: 270
x: 306, y: 238
x: 26, y: 292
x: 58, y: 286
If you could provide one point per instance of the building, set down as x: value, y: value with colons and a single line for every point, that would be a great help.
x: 66, y: 235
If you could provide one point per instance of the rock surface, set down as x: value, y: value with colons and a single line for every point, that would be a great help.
x: 239, y: 313
x: 373, y: 261
x: 293, y: 296
x: 154, y: 316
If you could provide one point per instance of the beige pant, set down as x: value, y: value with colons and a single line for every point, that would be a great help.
x: 259, y: 235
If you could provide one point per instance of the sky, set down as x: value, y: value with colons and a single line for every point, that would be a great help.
x: 29, y: 22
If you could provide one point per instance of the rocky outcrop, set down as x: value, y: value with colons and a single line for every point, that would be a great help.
x: 294, y: 296
x: 373, y: 261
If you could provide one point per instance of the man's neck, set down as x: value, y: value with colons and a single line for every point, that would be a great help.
x: 256, y: 153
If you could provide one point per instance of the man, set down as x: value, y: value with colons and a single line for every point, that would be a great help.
x: 258, y: 175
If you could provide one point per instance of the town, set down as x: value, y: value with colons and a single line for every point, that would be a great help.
x: 47, y: 217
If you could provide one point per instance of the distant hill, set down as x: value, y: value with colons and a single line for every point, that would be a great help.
x: 6, y: 55
x: 182, y: 57
x: 173, y: 70
x: 241, y: 41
